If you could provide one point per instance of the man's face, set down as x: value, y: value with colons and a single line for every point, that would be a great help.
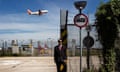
x: 60, y: 42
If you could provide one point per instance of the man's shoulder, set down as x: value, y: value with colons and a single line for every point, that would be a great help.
x: 56, y: 46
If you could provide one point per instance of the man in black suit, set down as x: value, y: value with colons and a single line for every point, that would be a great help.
x: 60, y: 57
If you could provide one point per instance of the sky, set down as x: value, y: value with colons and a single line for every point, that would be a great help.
x: 15, y: 23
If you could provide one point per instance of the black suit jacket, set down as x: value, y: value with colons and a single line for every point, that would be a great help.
x: 60, y: 55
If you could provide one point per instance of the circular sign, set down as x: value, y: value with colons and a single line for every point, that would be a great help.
x: 80, y: 20
x: 88, y: 41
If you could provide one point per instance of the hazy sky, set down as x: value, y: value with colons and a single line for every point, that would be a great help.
x: 15, y: 23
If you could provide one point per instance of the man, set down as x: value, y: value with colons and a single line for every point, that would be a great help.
x: 60, y: 57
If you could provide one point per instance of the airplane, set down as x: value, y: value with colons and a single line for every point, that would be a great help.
x: 39, y: 12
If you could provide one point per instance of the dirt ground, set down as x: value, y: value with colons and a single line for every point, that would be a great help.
x: 41, y: 64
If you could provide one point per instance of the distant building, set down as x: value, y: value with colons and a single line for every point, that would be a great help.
x: 14, y: 43
x: 15, y: 48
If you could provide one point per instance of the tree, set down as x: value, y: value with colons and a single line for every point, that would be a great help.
x: 107, y: 32
x: 115, y: 6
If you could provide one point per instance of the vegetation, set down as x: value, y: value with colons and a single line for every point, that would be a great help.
x: 107, y: 17
x: 115, y: 6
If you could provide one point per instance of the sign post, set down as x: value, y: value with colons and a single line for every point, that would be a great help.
x: 88, y: 42
x: 80, y: 20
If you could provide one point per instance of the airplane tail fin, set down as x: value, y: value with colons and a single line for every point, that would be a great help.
x: 29, y: 11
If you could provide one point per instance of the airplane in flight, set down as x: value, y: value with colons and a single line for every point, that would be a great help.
x: 39, y: 12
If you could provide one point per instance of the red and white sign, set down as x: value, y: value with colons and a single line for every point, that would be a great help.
x: 81, y: 20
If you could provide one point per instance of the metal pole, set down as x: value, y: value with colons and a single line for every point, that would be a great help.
x: 88, y: 56
x: 80, y: 52
x: 51, y: 48
x: 31, y: 43
x: 3, y: 47
x: 80, y: 12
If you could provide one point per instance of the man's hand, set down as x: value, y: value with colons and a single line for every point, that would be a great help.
x: 65, y: 61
